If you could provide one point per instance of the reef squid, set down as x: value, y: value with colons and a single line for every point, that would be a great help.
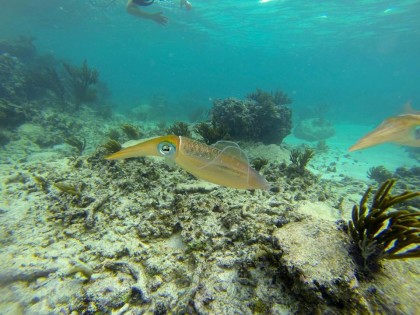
x: 403, y: 129
x: 223, y: 163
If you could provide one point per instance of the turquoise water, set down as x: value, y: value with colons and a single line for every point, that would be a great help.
x: 81, y: 233
x: 359, y: 57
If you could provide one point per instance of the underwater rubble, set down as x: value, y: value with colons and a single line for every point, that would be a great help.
x: 144, y: 237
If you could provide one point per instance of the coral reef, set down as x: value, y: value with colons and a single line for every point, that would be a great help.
x: 12, y: 79
x: 278, y: 97
x: 12, y: 115
x: 143, y: 237
x: 262, y: 117
x: 25, y: 75
x: 40, y: 80
x: 35, y: 96
x: 118, y: 221
x: 82, y: 80
x: 210, y: 133
x: 379, y: 233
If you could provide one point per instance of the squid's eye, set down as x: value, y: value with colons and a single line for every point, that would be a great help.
x: 166, y: 148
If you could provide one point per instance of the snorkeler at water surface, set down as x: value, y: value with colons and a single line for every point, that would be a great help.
x: 158, y: 17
